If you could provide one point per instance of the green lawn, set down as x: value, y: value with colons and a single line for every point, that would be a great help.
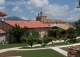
x: 25, y: 44
x: 58, y: 44
x: 77, y: 40
x: 13, y: 45
x: 39, y: 53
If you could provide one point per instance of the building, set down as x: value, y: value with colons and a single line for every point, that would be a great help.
x: 3, y: 34
x: 54, y: 24
x: 32, y: 25
x: 41, y: 24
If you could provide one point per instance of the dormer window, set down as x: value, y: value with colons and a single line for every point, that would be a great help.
x: 55, y: 24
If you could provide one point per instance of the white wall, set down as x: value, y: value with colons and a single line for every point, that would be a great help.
x: 2, y: 37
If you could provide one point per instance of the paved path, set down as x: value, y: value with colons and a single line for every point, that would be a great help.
x: 59, y: 50
x: 56, y: 48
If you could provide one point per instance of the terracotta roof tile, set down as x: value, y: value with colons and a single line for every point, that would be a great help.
x: 29, y: 24
x: 2, y: 14
x: 54, y: 20
x: 2, y: 31
x: 64, y: 26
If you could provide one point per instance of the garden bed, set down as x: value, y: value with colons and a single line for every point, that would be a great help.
x: 66, y: 48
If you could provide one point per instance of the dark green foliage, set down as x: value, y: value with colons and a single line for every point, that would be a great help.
x: 30, y: 40
x: 19, y: 34
x: 36, y: 36
x: 72, y: 35
x: 23, y: 35
x: 26, y: 33
x: 46, y: 39
x: 57, y: 31
x: 23, y: 39
x: 77, y: 24
x: 33, y: 37
x: 16, y: 33
x: 39, y: 41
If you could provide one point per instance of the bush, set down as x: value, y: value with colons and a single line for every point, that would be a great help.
x: 72, y: 34
x: 46, y: 39
x: 23, y: 39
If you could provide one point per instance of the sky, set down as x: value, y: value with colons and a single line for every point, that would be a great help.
x: 54, y: 9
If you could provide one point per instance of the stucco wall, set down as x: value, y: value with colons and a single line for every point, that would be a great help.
x: 3, y: 38
x: 5, y: 26
x: 42, y: 31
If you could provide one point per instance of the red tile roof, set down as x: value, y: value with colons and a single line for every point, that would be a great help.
x: 61, y: 24
x: 29, y: 24
x: 64, y: 26
x: 2, y: 31
x: 2, y: 14
x: 54, y: 20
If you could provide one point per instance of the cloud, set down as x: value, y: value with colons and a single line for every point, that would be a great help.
x: 74, y: 14
x: 17, y: 9
x: 56, y: 10
x: 73, y: 17
x: 16, y: 2
x: 76, y: 9
x: 36, y: 3
x: 32, y: 11
x: 2, y: 8
x: 50, y: 10
x: 24, y: 18
x: 2, y: 2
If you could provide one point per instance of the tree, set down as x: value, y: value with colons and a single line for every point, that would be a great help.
x: 23, y: 39
x: 26, y: 33
x: 46, y: 39
x: 16, y: 32
x: 36, y: 36
x: 33, y: 37
x: 19, y: 34
x: 77, y: 24
x: 30, y: 40
x: 72, y: 35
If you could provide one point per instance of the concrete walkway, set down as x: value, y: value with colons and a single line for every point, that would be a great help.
x: 56, y: 48
x: 59, y: 50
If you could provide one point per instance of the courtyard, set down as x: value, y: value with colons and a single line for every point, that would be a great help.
x: 36, y: 51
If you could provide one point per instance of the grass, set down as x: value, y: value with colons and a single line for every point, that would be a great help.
x: 58, y: 44
x: 77, y: 40
x: 39, y: 53
x: 25, y: 44
x: 13, y: 45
